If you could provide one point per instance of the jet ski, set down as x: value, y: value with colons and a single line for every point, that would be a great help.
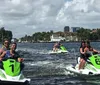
x: 11, y: 74
x: 92, y: 66
x: 61, y: 50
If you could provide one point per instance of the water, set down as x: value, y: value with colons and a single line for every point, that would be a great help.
x: 47, y: 69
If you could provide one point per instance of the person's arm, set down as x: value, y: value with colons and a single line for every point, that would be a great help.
x: 1, y: 51
x: 96, y: 51
x: 2, y: 55
x: 81, y: 51
x: 86, y: 50
x: 19, y: 58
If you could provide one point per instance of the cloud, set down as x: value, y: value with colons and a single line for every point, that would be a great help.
x: 29, y: 16
x: 84, y: 13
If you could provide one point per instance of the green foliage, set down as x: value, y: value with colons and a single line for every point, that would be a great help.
x: 39, y: 36
x: 5, y: 34
x: 84, y: 34
x: 93, y: 36
x: 44, y: 36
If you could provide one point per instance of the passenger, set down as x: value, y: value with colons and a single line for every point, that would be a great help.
x: 5, y: 46
x: 88, y: 49
x: 12, y: 54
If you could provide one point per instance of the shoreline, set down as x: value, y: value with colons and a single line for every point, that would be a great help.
x: 55, y: 42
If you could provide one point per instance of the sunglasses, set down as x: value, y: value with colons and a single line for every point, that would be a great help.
x: 6, y: 42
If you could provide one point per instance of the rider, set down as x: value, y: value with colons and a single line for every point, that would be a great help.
x: 56, y: 46
x: 82, y: 58
x: 13, y: 53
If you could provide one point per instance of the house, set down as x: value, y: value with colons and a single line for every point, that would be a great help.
x: 70, y: 36
x: 55, y: 38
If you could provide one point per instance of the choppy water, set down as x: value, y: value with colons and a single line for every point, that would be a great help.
x: 47, y: 69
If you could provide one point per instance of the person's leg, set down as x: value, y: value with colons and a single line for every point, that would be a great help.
x: 22, y: 66
x: 82, y: 64
x: 1, y: 65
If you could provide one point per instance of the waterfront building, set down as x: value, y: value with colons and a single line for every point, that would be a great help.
x: 56, y: 38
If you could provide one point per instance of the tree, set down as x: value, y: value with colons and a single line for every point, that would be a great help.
x: 83, y: 34
x: 5, y: 34
x: 93, y: 36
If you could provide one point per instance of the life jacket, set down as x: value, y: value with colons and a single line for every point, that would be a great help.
x: 7, y: 55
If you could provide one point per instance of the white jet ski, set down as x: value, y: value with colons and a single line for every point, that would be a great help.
x: 92, y: 66
x: 59, y: 51
x: 11, y: 74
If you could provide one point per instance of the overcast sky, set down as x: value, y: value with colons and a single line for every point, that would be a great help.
x: 29, y: 16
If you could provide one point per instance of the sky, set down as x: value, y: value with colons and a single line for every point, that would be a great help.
x: 25, y: 17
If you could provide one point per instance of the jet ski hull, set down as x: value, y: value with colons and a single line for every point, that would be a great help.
x: 76, y: 71
x: 11, y: 74
x: 88, y: 70
x: 92, y: 66
x: 14, y: 83
x: 58, y: 52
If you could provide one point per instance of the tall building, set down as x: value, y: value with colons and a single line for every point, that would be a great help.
x: 74, y: 29
x: 66, y: 29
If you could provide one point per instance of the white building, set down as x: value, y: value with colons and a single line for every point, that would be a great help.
x: 55, y: 38
x: 71, y: 38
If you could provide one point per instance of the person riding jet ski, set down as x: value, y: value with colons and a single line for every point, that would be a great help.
x: 12, y: 54
x: 84, y: 51
x: 11, y: 70
x: 58, y: 46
